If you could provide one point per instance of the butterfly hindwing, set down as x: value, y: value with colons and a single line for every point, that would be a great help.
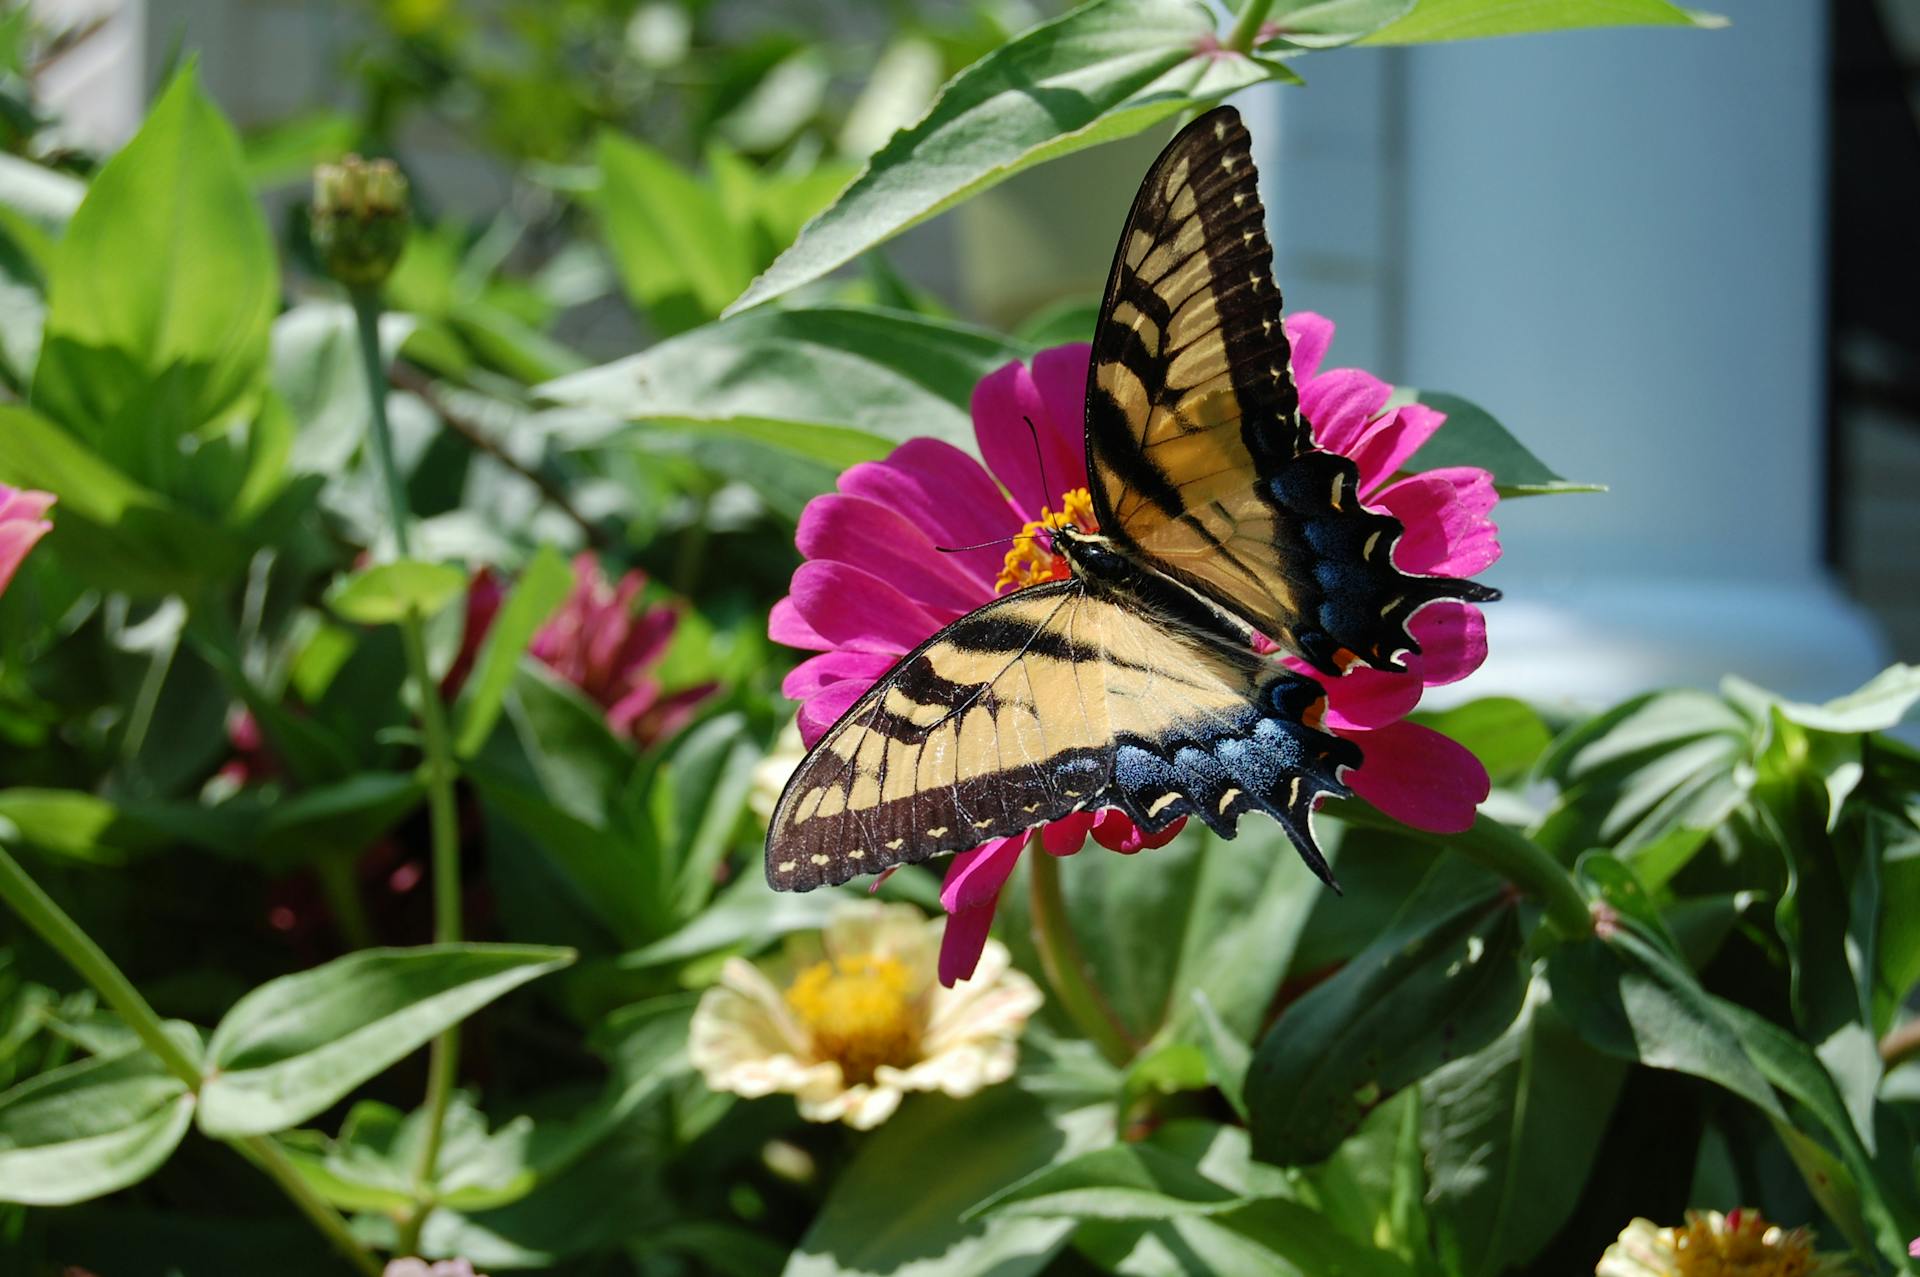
x: 1049, y: 701
x: 1199, y: 459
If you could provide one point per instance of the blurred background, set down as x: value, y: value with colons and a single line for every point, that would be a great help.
x: 1678, y: 264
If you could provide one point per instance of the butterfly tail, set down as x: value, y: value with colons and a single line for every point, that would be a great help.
x: 1271, y: 760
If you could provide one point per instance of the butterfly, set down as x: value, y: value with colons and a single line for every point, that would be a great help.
x: 1134, y: 683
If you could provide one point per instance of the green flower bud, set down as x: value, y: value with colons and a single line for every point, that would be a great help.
x: 360, y: 219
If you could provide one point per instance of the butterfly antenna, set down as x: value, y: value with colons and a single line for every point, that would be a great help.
x: 1040, y: 462
x: 956, y: 549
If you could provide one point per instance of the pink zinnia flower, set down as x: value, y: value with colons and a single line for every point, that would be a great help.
x: 874, y: 586
x: 601, y: 644
x: 21, y: 524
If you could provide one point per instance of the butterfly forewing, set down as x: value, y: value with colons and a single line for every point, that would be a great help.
x: 1199, y: 459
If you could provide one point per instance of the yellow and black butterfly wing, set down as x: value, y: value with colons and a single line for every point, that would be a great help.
x: 1049, y: 701
x: 1199, y: 459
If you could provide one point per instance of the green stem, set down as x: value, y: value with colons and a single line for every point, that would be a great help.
x: 264, y: 1153
x: 366, y: 313
x: 443, y: 1061
x: 1505, y: 851
x: 1246, y: 28
x: 1066, y: 967
x: 38, y: 910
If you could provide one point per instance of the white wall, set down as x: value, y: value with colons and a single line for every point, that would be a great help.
x: 1614, y: 241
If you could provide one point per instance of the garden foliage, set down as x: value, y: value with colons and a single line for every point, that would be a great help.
x: 293, y: 785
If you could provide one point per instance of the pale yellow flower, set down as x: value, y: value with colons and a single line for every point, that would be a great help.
x: 771, y: 774
x: 853, y: 1017
x: 1740, y: 1243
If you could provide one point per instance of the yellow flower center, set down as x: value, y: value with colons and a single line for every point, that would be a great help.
x: 1747, y: 1246
x: 1030, y: 562
x: 861, y: 1012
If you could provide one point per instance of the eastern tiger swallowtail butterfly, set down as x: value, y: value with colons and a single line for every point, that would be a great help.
x: 1133, y: 683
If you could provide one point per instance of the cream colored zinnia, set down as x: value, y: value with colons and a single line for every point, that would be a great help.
x: 1740, y: 1243
x: 852, y: 1017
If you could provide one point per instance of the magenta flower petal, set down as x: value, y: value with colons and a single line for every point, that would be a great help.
x: 1366, y: 698
x: 824, y: 708
x: 1392, y: 441
x: 945, y: 491
x: 1065, y: 836
x: 1310, y: 335
x: 785, y: 626
x: 893, y: 547
x: 816, y: 672
x: 21, y: 526
x: 971, y: 892
x: 1448, y: 531
x: 1453, y: 641
x: 975, y: 877
x: 1060, y: 373
x: 853, y: 608
x: 1002, y: 404
x: 1341, y: 405
x: 1419, y: 777
x: 1116, y: 831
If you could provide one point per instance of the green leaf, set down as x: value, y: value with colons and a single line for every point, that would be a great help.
x: 67, y: 822
x: 677, y: 251
x: 1327, y: 24
x: 1505, y: 734
x: 296, y: 1045
x: 1445, y: 979
x: 542, y: 586
x: 110, y: 531
x: 747, y: 913
x: 342, y: 818
x: 1512, y: 1132
x: 93, y: 1127
x: 898, y: 1205
x: 1633, y: 775
x: 390, y: 592
x: 1104, y: 71
x: 1228, y: 1055
x: 837, y: 384
x: 1627, y: 998
x: 1435, y: 20
x: 708, y: 776
x: 319, y: 373
x: 1880, y: 706
x: 163, y: 289
x: 1124, y: 1181
x: 1471, y: 437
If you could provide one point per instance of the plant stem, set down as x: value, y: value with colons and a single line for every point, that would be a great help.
x: 1506, y: 852
x: 366, y: 314
x: 1246, y: 28
x: 38, y: 910
x: 264, y: 1153
x: 437, y: 768
x: 1066, y: 967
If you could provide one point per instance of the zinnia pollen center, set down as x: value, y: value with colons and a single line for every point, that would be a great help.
x: 1749, y: 1247
x: 861, y: 1012
x: 1033, y: 560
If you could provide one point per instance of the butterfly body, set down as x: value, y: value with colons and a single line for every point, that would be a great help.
x: 1134, y: 683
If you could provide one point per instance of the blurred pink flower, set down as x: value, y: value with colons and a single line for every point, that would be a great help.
x: 21, y: 524
x: 421, y: 1268
x: 1913, y: 1248
x: 598, y: 642
x: 873, y: 586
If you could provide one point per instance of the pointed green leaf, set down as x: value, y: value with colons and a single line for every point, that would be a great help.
x: 1435, y: 20
x: 163, y: 288
x: 837, y: 384
x: 1104, y: 71
x: 1471, y: 437
x: 296, y: 1045
x: 543, y: 584
x: 92, y: 1127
